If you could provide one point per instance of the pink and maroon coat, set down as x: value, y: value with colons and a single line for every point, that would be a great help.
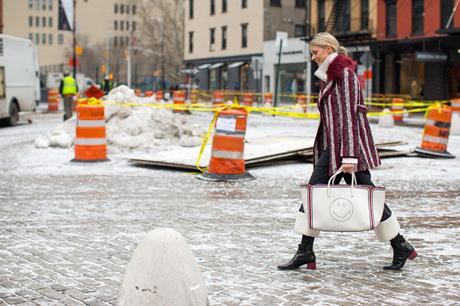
x: 343, y: 127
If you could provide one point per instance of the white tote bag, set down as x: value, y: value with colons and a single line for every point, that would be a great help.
x: 343, y: 208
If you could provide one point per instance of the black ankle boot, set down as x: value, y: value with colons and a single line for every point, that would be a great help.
x: 401, y: 251
x: 304, y: 255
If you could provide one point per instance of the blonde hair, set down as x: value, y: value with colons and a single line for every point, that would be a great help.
x: 324, y: 39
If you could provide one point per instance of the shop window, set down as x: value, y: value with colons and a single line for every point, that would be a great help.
x: 321, y: 15
x: 190, y: 9
x: 391, y: 18
x: 244, y: 35
x: 224, y: 38
x: 446, y: 11
x: 190, y: 42
x: 224, y: 6
x: 417, y: 16
x: 300, y: 3
x: 275, y: 3
x: 364, y: 14
x: 213, y: 7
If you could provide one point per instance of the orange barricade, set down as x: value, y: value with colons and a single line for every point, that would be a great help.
x: 455, y: 104
x: 148, y: 93
x: 159, y: 96
x: 455, y: 127
x: 302, y: 102
x: 247, y: 99
x: 90, y: 139
x: 178, y: 99
x: 53, y: 100
x: 436, y: 133
x: 218, y: 98
x: 268, y: 99
x: 397, y: 106
x: 194, y: 96
x: 227, y: 155
x: 138, y: 92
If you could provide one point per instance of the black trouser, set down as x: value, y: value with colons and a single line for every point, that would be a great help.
x: 321, y: 175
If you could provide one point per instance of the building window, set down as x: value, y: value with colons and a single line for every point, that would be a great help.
x: 224, y: 6
x: 342, y: 23
x: 44, y: 22
x: 127, y: 9
x: 391, y: 18
x: 43, y: 4
x: 417, y: 16
x: 212, y: 38
x: 60, y: 39
x: 133, y: 26
x: 115, y: 8
x: 299, y: 30
x: 134, y: 9
x: 127, y: 40
x: 37, y: 21
x: 115, y: 25
x: 446, y: 10
x: 190, y: 9
x: 321, y: 15
x: 37, y: 4
x: 300, y: 3
x: 190, y: 42
x: 115, y: 41
x: 364, y: 14
x: 244, y: 3
x: 213, y: 7
x: 122, y: 9
x: 31, y: 36
x: 122, y: 25
x: 224, y: 38
x: 31, y: 21
x: 37, y: 38
x: 50, y: 39
x: 244, y: 35
x: 43, y: 39
x: 50, y: 22
x: 127, y: 25
x: 31, y: 4
x: 275, y: 2
x: 50, y: 5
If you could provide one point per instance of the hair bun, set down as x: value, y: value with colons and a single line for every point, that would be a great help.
x: 342, y: 50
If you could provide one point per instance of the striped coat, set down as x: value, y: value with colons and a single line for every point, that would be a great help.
x: 343, y: 127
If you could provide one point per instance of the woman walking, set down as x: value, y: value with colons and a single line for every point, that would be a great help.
x: 343, y: 140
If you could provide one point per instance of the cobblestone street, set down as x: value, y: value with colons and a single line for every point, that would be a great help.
x: 66, y: 236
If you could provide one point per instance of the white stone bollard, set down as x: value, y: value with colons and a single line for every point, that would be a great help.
x: 455, y: 124
x: 163, y: 271
x: 387, y: 120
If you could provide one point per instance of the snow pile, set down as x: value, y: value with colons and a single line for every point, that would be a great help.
x: 130, y: 128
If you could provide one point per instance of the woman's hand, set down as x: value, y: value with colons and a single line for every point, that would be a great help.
x: 348, y: 168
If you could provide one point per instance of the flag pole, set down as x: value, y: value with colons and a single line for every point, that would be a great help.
x: 74, y: 37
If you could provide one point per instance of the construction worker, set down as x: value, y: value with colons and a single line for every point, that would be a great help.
x: 68, y: 89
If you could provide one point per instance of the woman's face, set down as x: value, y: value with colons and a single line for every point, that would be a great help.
x: 319, y: 54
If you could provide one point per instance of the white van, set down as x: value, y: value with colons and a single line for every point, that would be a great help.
x: 19, y: 78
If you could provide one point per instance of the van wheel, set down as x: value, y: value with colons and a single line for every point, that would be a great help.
x: 14, y: 114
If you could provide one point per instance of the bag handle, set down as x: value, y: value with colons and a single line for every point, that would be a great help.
x: 340, y: 170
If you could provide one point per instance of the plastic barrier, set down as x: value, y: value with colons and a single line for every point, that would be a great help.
x: 194, y: 96
x: 178, y: 100
x: 247, y: 99
x: 53, y: 100
x: 159, y: 96
x: 455, y: 127
x: 148, y: 93
x: 268, y: 99
x: 397, y: 106
x: 218, y: 98
x: 302, y: 102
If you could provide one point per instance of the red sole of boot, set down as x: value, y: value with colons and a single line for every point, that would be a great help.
x: 412, y: 255
x: 311, y: 266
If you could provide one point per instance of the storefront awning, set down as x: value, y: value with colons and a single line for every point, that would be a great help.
x: 234, y: 65
x: 217, y: 65
x: 204, y: 66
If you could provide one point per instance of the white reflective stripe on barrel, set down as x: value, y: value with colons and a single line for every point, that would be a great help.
x: 227, y: 154
x: 90, y: 141
x: 91, y: 123
x: 434, y: 139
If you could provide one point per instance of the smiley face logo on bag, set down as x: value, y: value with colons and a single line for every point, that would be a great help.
x: 341, y: 210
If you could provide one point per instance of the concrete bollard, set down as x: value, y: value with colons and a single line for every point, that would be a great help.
x: 163, y: 271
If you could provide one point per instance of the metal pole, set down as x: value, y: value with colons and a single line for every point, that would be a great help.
x: 74, y: 38
x: 278, y: 73
x: 162, y: 56
x: 128, y: 68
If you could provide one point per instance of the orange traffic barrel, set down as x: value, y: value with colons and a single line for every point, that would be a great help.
x: 302, y: 102
x: 397, y: 107
x: 227, y: 153
x: 148, y: 93
x: 247, y: 99
x: 455, y: 104
x: 90, y: 138
x: 159, y: 96
x: 178, y: 100
x: 194, y: 96
x: 268, y: 99
x: 218, y: 98
x: 455, y: 126
x: 436, y: 133
x: 138, y: 92
x: 53, y: 100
